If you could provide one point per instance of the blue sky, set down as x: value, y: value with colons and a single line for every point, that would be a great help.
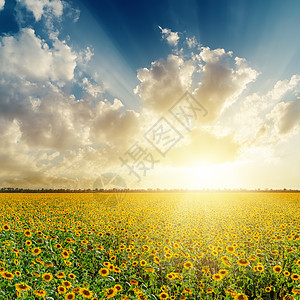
x: 262, y: 31
x: 83, y: 80
x: 265, y: 32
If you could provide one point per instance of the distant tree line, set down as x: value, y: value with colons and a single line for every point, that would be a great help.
x: 127, y: 190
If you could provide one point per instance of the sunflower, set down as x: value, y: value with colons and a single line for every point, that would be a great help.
x: 156, y: 259
x: 243, y: 262
x: 268, y: 289
x: 134, y: 282
x: 72, y: 276
x: 230, y: 249
x: 85, y: 293
x: 36, y: 274
x: 187, y: 265
x: 260, y: 268
x: 21, y: 287
x: 288, y: 297
x: 296, y: 291
x: 66, y: 284
x: 231, y: 292
x: 49, y: 265
x: 240, y: 297
x: 40, y: 293
x: 217, y: 277
x: 47, y: 277
x: 18, y: 273
x: 104, y: 272
x: 209, y: 291
x: 28, y: 243
x: 111, y: 268
x: 286, y: 273
x: 295, y: 276
x: 36, y: 251
x: 252, y: 258
x: 70, y: 296
x: 277, y: 269
x: 118, y: 288
x: 65, y: 254
x: 163, y: 295
x: 27, y: 233
x: 6, y: 227
x: 139, y: 296
x: 7, y: 275
x: 76, y: 290
x: 143, y: 263
x: 61, y: 289
x: 67, y: 263
x: 110, y: 293
x: 223, y: 272
x: 61, y: 275
x: 117, y: 270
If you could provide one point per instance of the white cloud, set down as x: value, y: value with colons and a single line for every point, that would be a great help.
x: 42, y: 122
x: 85, y: 56
x: 112, y: 126
x: 220, y: 84
x: 38, y: 118
x: 171, y: 37
x: 164, y: 82
x: 64, y: 61
x: 191, y: 42
x: 282, y: 87
x: 2, y: 3
x: 253, y: 119
x: 71, y: 12
x: 217, y: 86
x: 286, y: 117
x: 93, y: 89
x: 50, y: 138
x: 26, y: 55
x: 213, y: 56
x: 41, y: 8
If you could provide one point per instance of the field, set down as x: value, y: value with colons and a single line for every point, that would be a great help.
x: 150, y: 246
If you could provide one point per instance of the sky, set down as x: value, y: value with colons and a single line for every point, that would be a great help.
x: 149, y: 94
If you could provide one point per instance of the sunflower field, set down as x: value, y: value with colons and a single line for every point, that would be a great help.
x: 150, y: 246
